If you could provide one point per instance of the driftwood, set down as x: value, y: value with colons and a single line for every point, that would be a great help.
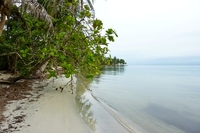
x: 13, y: 80
x: 6, y: 82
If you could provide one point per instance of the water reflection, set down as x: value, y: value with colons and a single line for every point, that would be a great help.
x: 110, y: 70
x: 113, y: 70
x: 100, y: 116
x: 83, y: 104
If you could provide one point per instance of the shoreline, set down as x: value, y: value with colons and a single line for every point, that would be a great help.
x: 46, y: 109
x: 100, y: 116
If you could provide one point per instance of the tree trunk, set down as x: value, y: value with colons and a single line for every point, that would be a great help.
x: 2, y: 23
x: 15, y: 63
x: 35, y: 73
x: 39, y: 69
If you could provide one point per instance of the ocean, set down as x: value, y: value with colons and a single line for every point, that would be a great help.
x: 146, y: 99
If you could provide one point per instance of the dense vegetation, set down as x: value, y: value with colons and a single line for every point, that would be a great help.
x: 52, y: 33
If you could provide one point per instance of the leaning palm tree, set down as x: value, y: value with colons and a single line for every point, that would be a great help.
x: 42, y: 9
x: 31, y: 6
x: 35, y: 8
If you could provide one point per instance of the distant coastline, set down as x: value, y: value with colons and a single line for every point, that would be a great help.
x: 169, y: 61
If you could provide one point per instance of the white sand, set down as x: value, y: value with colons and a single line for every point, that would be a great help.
x: 54, y: 112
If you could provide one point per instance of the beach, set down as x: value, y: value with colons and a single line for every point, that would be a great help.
x: 51, y: 112
x: 47, y: 110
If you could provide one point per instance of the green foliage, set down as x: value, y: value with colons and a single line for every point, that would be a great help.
x: 52, y: 73
x: 77, y: 43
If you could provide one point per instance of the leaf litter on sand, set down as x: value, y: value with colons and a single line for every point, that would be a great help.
x: 18, y: 93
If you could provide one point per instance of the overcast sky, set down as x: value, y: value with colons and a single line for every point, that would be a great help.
x: 151, y: 29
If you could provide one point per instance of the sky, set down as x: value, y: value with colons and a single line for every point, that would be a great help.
x: 152, y: 29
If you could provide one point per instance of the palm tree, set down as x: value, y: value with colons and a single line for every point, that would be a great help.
x: 31, y: 6
x: 53, y: 6
x: 35, y: 8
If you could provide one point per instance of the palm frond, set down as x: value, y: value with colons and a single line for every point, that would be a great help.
x: 90, y: 4
x: 36, y: 9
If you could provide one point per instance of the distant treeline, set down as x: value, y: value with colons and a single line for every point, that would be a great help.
x: 116, y: 61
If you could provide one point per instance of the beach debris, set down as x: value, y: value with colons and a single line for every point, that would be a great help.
x: 61, y: 88
x: 17, y: 108
x: 31, y: 100
x: 17, y: 95
x: 19, y: 119
x: 71, y: 84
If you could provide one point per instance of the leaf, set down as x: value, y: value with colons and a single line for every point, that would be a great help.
x: 22, y: 39
x: 115, y: 33
x: 64, y: 65
x: 22, y: 51
x: 52, y: 73
x: 62, y: 57
x: 52, y: 53
x: 86, y: 7
x: 44, y: 50
x: 88, y: 14
x: 109, y: 31
x: 23, y: 55
x: 67, y: 75
x: 42, y: 56
x: 102, y: 40
x: 111, y: 38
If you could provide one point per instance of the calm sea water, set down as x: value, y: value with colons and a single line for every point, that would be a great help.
x: 155, y: 99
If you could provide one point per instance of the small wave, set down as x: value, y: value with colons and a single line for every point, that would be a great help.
x: 113, y: 112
